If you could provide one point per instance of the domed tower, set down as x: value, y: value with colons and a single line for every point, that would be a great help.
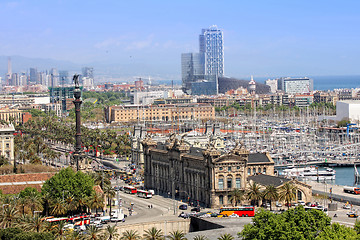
x: 252, y: 86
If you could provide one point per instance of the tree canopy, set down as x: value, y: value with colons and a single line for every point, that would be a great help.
x: 78, y: 185
x: 293, y: 224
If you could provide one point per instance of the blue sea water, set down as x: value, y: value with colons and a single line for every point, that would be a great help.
x: 333, y: 82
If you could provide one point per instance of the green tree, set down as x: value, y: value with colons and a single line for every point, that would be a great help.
x: 153, y: 234
x: 200, y: 237
x: 34, y: 223
x: 8, y: 216
x: 287, y: 193
x: 226, y: 236
x: 177, y: 235
x: 94, y: 233
x: 78, y: 185
x: 111, y: 232
x: 293, y: 224
x: 271, y: 193
x: 237, y: 196
x: 339, y: 232
x: 130, y: 235
x: 254, y: 193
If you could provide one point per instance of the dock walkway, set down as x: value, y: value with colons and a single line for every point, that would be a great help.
x: 337, y: 194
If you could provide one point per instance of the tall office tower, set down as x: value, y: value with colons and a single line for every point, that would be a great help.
x: 192, y: 70
x: 22, y: 79
x: 212, y: 50
x: 14, y: 79
x: 33, y: 76
x: 43, y: 79
x: 63, y: 77
x: 9, y: 72
x: 54, y: 81
x: 88, y: 72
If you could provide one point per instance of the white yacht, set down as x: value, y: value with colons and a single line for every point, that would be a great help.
x: 310, y: 173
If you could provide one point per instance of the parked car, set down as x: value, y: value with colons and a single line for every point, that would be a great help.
x: 301, y: 203
x: 278, y: 205
x: 183, y: 207
x: 196, y: 209
x: 352, y: 215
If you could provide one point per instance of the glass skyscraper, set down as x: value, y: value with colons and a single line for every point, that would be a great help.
x: 205, y: 67
x: 212, y: 51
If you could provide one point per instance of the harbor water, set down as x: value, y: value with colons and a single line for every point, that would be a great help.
x: 345, y: 176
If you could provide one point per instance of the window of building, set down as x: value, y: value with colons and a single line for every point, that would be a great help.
x: 249, y: 171
x: 221, y: 199
x: 229, y: 169
x: 238, y: 167
x: 264, y: 171
x: 238, y: 182
x: 221, y: 183
x: 8, y: 145
x: 299, y: 195
x: 254, y: 171
x: 229, y: 182
x: 220, y: 168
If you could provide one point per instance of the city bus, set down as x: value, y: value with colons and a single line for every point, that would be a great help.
x: 241, y: 211
x: 78, y: 220
x: 130, y: 190
x: 144, y: 194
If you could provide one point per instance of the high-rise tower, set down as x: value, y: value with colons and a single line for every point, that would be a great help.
x: 200, y: 71
x: 212, y: 50
x: 9, y: 73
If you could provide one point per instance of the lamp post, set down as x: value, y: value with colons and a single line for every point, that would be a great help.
x: 77, y: 102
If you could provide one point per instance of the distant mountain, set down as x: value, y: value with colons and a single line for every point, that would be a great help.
x: 23, y: 64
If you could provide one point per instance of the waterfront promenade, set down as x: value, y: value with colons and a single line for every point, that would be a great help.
x: 337, y: 192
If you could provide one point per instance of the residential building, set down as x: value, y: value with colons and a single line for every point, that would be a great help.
x: 296, y: 85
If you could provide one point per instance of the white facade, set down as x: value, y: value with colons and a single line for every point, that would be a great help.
x: 7, y: 141
x: 349, y: 109
x: 298, y: 85
x: 273, y: 84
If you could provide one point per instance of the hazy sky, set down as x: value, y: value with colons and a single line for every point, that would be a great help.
x: 262, y: 38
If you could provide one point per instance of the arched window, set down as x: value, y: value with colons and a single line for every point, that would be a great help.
x: 264, y: 170
x: 221, y: 199
x: 259, y: 170
x: 254, y: 171
x: 249, y: 171
x: 299, y: 195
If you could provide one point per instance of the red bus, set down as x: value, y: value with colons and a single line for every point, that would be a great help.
x: 241, y: 211
x: 79, y: 220
x: 129, y: 189
x: 144, y: 194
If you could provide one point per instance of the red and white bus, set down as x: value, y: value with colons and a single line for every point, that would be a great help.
x: 144, y: 194
x: 241, y: 211
x: 130, y: 190
x: 78, y: 220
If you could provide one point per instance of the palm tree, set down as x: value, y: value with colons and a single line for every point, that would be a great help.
x: 111, y: 232
x: 287, y: 193
x: 34, y: 223
x: 96, y: 201
x: 153, y: 234
x: 237, y: 195
x: 200, y: 237
x: 94, y: 232
x: 74, y: 235
x: 177, y: 235
x: 226, y: 236
x: 58, y: 207
x: 35, y: 201
x: 110, y: 193
x: 130, y: 235
x: 59, y: 229
x: 8, y: 217
x: 271, y: 193
x: 254, y: 193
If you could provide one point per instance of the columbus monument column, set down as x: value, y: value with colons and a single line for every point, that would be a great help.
x: 77, y: 102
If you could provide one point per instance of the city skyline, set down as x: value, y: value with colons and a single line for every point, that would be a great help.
x: 128, y: 39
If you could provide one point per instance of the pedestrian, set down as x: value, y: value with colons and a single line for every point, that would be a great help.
x: 148, y: 206
x: 151, y: 206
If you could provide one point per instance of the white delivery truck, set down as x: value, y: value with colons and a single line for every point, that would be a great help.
x: 117, y: 215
